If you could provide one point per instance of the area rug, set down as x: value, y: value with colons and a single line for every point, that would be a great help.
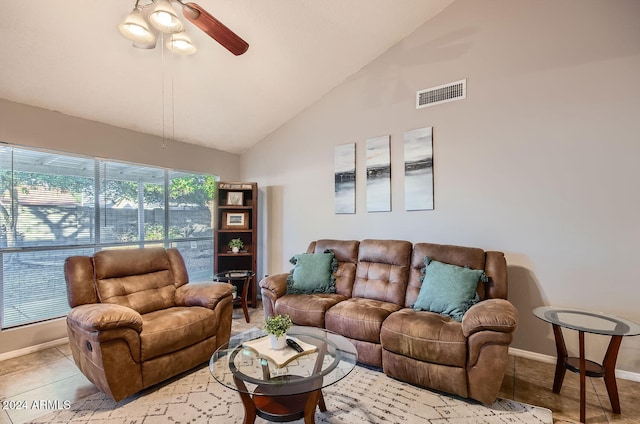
x: 364, y: 396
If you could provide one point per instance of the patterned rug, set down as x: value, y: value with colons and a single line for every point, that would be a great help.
x: 364, y: 396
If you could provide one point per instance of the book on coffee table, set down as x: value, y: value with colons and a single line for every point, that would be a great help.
x: 280, y: 357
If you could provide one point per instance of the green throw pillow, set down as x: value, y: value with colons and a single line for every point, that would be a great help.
x: 448, y: 289
x: 312, y: 273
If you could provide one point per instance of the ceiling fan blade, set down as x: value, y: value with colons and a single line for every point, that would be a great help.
x: 214, y: 28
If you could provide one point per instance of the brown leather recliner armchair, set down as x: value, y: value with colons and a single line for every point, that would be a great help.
x: 135, y: 321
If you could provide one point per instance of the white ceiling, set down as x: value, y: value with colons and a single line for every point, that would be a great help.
x: 68, y: 56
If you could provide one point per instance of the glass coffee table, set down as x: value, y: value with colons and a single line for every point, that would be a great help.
x: 289, y: 392
x: 587, y: 322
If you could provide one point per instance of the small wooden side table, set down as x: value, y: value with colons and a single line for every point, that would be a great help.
x: 240, y: 279
x: 587, y: 322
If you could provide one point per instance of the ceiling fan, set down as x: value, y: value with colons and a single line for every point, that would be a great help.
x: 162, y: 17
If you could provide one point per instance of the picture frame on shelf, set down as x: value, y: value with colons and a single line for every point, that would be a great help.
x: 235, y: 221
x: 235, y: 198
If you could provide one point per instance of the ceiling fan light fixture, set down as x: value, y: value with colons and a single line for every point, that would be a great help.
x: 214, y: 28
x: 136, y: 29
x: 164, y: 18
x: 181, y: 43
x: 146, y: 46
x: 143, y: 24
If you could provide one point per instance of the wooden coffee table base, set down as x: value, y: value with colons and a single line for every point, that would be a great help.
x: 282, y: 408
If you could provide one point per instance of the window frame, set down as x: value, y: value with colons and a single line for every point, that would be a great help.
x: 97, y: 242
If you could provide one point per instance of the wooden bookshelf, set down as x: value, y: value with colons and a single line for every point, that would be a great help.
x: 237, y: 217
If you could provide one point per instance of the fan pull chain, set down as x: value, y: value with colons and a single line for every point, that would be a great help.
x: 173, y: 104
x: 162, y: 82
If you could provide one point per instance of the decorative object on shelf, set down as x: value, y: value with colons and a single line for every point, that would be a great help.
x: 235, y: 221
x: 235, y: 198
x: 235, y: 245
x: 345, y: 178
x: 378, y: 174
x: 418, y: 169
x: 277, y: 327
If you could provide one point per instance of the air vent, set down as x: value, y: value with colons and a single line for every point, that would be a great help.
x: 441, y: 94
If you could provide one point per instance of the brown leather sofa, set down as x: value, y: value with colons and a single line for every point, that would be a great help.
x: 135, y: 321
x: 377, y: 282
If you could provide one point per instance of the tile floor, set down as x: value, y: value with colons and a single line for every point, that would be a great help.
x: 51, y: 375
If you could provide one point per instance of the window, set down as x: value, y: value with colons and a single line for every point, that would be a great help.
x: 191, y: 203
x: 53, y: 206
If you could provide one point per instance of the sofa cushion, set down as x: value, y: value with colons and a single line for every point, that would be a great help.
x: 346, y: 252
x: 172, y: 329
x: 312, y: 273
x: 383, y: 269
x: 471, y: 257
x: 359, y: 319
x: 305, y: 309
x: 425, y: 336
x: 448, y: 289
x: 433, y: 375
x: 140, y: 279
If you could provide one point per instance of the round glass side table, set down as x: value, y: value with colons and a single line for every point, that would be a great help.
x: 587, y: 322
x: 240, y: 279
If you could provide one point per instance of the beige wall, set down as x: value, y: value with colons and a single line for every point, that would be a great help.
x: 35, y: 127
x: 30, y: 126
x: 539, y: 161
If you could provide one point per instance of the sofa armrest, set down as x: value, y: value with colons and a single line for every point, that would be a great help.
x: 105, y: 316
x: 272, y: 288
x: 203, y: 294
x: 490, y: 314
x: 276, y: 284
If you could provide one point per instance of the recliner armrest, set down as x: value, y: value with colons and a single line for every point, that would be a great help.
x: 276, y: 284
x: 203, y: 294
x: 490, y: 314
x: 105, y: 316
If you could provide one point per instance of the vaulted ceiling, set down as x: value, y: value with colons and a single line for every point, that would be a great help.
x: 68, y: 56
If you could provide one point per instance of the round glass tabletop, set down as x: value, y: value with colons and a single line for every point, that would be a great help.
x: 586, y: 321
x: 233, y: 275
x: 333, y: 359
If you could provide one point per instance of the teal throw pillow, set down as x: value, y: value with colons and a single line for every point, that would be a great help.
x: 312, y: 273
x: 448, y: 289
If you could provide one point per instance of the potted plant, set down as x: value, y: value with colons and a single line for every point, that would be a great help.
x: 277, y: 327
x: 235, y: 245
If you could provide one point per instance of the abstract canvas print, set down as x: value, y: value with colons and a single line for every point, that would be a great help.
x: 418, y: 169
x: 345, y: 178
x: 378, y: 174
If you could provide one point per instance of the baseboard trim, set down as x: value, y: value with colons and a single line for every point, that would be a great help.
x: 548, y: 359
x: 33, y: 349
x: 624, y: 375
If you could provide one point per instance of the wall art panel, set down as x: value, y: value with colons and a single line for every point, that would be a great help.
x: 418, y: 169
x: 378, y: 174
x: 345, y: 178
